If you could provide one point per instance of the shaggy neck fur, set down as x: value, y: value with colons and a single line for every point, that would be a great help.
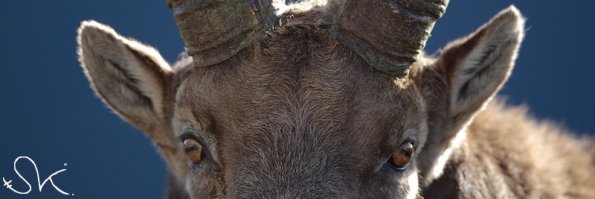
x: 509, y: 155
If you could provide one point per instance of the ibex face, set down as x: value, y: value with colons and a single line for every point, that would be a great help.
x: 297, y: 124
x: 328, y: 105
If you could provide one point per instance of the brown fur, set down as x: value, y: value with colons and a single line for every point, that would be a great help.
x: 298, y: 94
x: 300, y: 115
x: 510, y: 155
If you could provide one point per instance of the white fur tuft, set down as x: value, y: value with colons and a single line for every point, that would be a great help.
x: 438, y: 167
x: 413, y: 182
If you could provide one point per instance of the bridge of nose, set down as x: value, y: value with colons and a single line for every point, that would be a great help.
x: 293, y: 163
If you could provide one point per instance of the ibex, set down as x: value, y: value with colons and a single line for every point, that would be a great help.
x: 334, y: 100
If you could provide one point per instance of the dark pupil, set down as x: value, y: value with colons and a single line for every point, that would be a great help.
x: 407, y: 151
x: 191, y: 148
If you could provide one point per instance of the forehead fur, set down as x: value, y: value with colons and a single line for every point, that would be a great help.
x: 302, y: 65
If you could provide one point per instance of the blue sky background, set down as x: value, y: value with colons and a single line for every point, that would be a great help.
x: 49, y: 113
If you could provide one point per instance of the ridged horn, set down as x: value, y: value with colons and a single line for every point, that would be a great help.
x: 388, y: 34
x: 215, y: 30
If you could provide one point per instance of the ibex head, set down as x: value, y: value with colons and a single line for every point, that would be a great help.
x: 333, y: 102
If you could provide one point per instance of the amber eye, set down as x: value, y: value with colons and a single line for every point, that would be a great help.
x: 193, y: 150
x: 401, y: 158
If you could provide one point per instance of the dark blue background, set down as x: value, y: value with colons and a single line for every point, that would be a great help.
x: 50, y: 114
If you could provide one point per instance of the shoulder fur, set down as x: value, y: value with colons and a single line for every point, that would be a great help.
x: 507, y: 154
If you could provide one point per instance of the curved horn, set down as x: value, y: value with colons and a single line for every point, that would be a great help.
x: 388, y: 34
x: 215, y: 30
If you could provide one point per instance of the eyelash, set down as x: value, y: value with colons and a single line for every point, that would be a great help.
x: 189, y: 135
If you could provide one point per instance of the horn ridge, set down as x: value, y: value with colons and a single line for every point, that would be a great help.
x: 215, y: 30
x: 388, y: 34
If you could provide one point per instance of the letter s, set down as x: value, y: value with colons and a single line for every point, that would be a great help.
x: 9, y: 186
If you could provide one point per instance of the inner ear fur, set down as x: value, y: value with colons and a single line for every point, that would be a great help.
x: 134, y: 81
x: 478, y: 65
x: 131, y: 78
x: 465, y: 77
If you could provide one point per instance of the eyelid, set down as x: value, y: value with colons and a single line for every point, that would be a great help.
x: 413, y: 142
x: 203, y: 137
x: 388, y: 153
x: 191, y: 134
x: 188, y: 134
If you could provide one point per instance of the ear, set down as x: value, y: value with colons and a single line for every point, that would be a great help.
x: 131, y: 78
x: 465, y: 77
x: 477, y: 66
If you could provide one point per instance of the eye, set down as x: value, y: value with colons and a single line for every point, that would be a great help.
x: 194, y: 150
x: 401, y: 158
